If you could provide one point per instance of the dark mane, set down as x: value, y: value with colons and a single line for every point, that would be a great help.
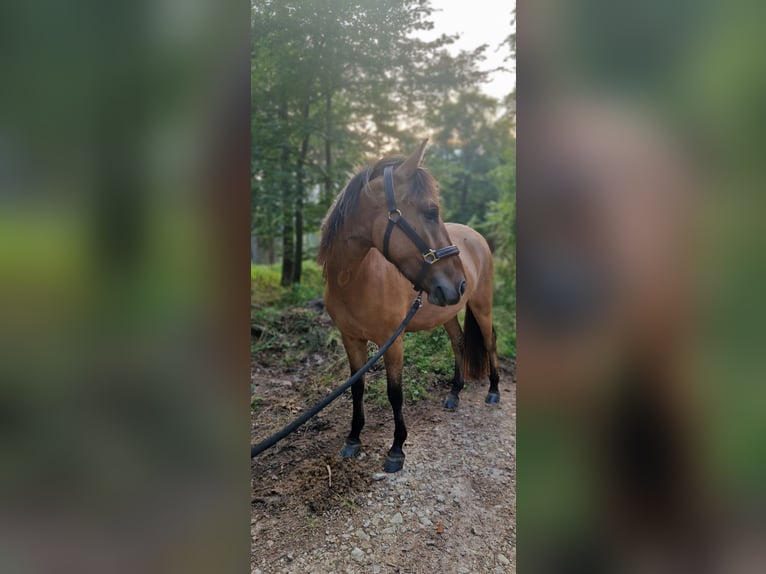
x: 347, y: 202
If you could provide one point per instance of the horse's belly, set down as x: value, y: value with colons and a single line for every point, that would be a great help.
x: 431, y: 316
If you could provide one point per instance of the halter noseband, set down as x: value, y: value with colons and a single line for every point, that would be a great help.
x: 430, y: 256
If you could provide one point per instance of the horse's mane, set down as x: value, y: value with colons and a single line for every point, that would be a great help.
x: 347, y: 202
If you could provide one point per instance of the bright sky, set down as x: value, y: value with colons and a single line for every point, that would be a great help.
x: 479, y: 22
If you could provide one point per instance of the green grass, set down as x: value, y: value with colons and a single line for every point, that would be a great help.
x: 428, y: 362
x: 255, y: 402
x: 266, y: 290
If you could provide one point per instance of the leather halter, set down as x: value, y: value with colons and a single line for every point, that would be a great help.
x: 430, y: 256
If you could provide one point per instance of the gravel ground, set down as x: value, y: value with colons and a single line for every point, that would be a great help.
x: 451, y: 509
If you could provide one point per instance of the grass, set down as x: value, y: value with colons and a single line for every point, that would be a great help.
x: 255, y: 402
x: 266, y: 290
x: 504, y: 308
x: 428, y: 363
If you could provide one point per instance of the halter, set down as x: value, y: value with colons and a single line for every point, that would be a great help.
x: 430, y: 256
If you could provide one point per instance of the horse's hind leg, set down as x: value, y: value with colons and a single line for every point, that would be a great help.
x: 493, y: 396
x: 393, y: 359
x: 482, y: 317
x: 356, y: 349
x: 456, y: 338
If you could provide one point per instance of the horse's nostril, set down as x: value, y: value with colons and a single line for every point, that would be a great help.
x: 439, y: 293
x: 461, y: 288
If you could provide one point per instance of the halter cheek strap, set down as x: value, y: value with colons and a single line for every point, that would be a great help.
x: 430, y: 256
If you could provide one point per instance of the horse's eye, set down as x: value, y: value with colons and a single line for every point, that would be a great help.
x: 432, y: 214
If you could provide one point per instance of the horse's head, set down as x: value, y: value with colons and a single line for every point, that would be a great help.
x: 408, y: 229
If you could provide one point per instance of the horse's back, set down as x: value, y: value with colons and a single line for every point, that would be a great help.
x: 475, y: 254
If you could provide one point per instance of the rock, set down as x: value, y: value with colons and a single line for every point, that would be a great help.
x: 503, y: 560
x: 425, y: 521
x: 361, y: 534
x: 376, y: 476
x: 463, y: 570
x: 357, y: 554
x: 397, y: 518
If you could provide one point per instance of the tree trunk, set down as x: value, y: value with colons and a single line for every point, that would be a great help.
x: 328, y: 195
x: 464, y: 194
x: 288, y: 230
x: 299, y: 198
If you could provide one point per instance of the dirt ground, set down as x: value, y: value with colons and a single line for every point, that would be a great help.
x: 451, y: 509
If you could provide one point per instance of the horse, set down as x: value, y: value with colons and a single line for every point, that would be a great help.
x: 382, y: 236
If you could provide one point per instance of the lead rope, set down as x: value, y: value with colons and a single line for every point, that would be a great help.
x: 293, y: 426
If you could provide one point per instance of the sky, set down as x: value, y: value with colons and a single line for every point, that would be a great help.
x: 478, y: 22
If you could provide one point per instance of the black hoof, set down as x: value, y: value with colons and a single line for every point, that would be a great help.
x: 451, y: 402
x: 350, y: 450
x: 394, y: 463
x: 492, y: 398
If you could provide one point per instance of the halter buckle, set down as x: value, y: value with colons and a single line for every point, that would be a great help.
x: 430, y: 257
x: 394, y: 215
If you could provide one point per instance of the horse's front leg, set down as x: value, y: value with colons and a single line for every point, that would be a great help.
x: 456, y: 338
x: 393, y: 359
x: 356, y: 350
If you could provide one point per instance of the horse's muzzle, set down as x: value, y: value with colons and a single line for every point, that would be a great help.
x: 444, y: 294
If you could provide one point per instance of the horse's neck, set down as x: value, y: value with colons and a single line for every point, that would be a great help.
x: 346, y: 260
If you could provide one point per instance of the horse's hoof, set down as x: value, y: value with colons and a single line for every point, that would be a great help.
x: 350, y: 450
x: 394, y: 463
x: 451, y: 402
x: 492, y: 398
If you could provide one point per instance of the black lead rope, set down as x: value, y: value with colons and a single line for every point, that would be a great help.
x: 293, y: 426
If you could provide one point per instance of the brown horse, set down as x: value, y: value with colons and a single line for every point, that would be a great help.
x: 393, y: 209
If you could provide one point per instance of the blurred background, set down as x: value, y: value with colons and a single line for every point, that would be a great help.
x: 124, y: 175
x: 640, y: 399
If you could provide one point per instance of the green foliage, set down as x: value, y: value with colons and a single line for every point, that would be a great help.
x: 500, y: 226
x: 266, y: 289
x: 428, y: 354
x: 428, y: 363
x: 469, y: 144
x: 255, y: 402
x: 264, y: 285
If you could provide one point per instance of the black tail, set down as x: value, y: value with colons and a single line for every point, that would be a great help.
x: 475, y: 355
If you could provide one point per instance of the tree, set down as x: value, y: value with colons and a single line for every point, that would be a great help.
x: 325, y: 74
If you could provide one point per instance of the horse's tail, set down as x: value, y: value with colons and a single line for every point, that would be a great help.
x: 475, y: 354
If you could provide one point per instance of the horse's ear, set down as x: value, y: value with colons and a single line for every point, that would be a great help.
x: 411, y: 164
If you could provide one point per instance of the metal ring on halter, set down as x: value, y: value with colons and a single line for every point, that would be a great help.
x: 392, y: 213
